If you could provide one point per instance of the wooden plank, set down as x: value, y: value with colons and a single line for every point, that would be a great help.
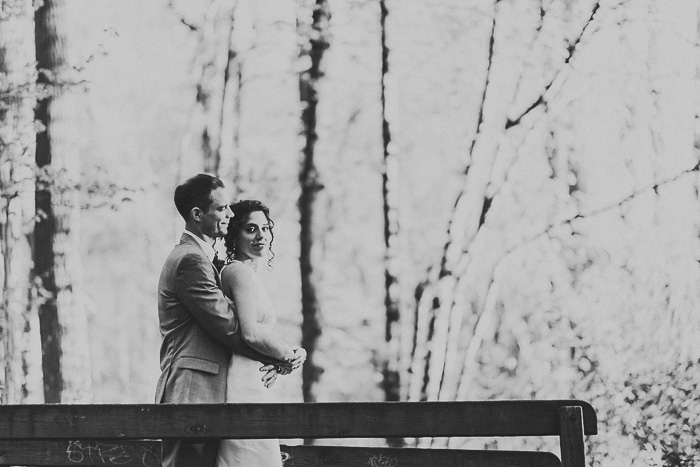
x: 571, y: 438
x: 81, y: 453
x: 126, y: 453
x: 317, y: 420
x: 335, y: 456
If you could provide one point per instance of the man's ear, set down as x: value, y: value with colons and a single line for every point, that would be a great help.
x: 196, y: 214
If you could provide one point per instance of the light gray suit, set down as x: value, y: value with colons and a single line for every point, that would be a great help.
x: 199, y: 331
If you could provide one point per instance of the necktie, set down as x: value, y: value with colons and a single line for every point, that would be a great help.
x: 218, y: 263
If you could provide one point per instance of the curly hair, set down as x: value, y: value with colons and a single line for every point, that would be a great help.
x: 241, y: 214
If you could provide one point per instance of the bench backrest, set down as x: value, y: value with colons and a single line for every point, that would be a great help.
x: 570, y: 420
x: 296, y: 420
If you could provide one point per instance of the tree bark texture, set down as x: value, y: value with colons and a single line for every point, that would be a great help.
x: 20, y: 378
x: 390, y: 371
x: 56, y: 262
x: 310, y: 186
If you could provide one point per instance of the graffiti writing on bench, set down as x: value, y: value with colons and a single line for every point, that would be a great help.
x: 382, y: 461
x: 95, y: 452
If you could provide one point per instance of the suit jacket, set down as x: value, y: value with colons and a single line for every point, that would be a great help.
x: 198, y: 328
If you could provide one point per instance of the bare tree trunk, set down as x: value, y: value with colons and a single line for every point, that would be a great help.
x: 391, y: 376
x: 310, y: 186
x: 19, y: 380
x: 392, y: 364
x: 215, y: 64
x: 456, y: 307
x: 56, y: 259
x: 227, y: 167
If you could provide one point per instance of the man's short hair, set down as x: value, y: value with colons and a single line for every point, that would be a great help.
x: 196, y: 192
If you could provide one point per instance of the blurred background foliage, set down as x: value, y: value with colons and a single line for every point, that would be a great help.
x: 473, y: 199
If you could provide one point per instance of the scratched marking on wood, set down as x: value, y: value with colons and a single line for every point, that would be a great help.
x: 94, y: 452
x: 382, y: 461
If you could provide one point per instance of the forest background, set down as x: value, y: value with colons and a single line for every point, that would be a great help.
x: 473, y: 199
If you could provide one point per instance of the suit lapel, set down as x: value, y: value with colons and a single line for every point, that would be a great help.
x: 192, y: 242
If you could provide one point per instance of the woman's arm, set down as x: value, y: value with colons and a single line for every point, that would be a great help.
x: 238, y: 283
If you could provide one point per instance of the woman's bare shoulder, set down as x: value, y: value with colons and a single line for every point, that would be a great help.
x: 237, y: 269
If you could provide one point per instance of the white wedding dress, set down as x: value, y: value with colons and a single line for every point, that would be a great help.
x: 245, y: 384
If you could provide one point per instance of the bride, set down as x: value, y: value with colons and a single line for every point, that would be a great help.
x: 248, y: 243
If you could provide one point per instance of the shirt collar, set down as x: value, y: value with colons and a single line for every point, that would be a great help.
x: 208, y: 249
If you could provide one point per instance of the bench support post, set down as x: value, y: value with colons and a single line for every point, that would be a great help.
x: 571, y: 438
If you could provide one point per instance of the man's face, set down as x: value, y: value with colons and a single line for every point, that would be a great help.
x: 214, y: 222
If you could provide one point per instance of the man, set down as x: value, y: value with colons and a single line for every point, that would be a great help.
x: 198, y: 328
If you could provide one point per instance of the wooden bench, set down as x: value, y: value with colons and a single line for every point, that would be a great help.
x: 127, y: 434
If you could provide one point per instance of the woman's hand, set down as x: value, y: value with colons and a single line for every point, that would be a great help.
x: 270, y: 375
x: 299, y: 358
x: 284, y: 368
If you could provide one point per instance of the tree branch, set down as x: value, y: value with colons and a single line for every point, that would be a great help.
x: 189, y: 25
x: 480, y: 120
x: 603, y: 209
x: 571, y: 48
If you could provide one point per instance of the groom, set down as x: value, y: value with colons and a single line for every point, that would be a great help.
x: 198, y: 328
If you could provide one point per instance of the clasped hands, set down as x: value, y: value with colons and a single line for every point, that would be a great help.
x: 283, y: 367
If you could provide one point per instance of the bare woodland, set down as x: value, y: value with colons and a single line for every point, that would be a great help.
x: 473, y: 199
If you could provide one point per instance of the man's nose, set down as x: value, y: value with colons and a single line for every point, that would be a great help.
x: 229, y: 212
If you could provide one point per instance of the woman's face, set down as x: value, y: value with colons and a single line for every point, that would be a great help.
x: 254, y: 237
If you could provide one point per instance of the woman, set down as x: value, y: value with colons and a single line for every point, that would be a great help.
x: 248, y: 243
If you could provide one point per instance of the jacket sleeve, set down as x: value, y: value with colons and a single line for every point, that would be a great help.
x: 198, y: 291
